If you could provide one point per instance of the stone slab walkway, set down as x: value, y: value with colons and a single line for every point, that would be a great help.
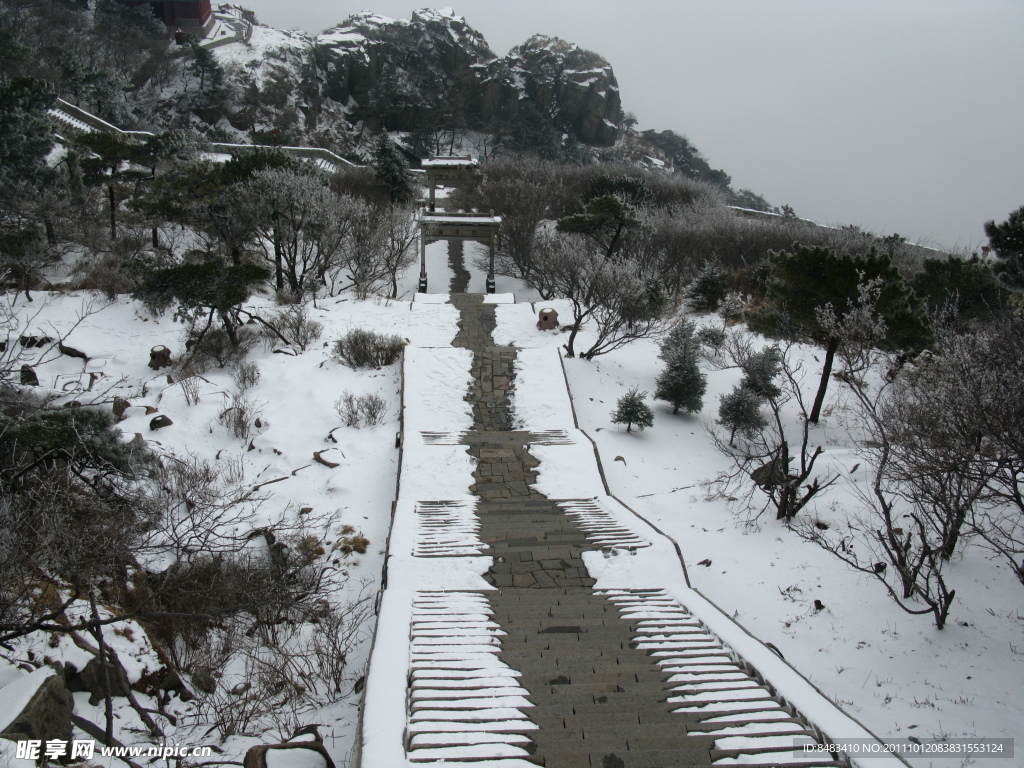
x: 543, y: 668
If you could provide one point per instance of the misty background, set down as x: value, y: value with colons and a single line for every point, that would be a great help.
x: 894, y: 115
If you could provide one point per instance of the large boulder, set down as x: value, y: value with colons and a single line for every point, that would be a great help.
x: 97, y: 681
x: 39, y: 705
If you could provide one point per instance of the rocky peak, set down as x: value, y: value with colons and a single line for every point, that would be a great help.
x: 573, y: 84
x: 409, y: 73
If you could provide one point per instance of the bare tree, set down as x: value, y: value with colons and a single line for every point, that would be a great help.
x: 775, y: 463
x: 524, y: 191
x: 619, y: 301
x: 910, y: 514
x: 960, y: 415
x: 302, y: 224
x: 396, y: 237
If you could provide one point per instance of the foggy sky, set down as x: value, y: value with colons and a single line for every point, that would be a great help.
x: 895, y: 115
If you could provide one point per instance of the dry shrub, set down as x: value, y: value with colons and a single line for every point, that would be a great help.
x: 351, y: 541
x: 239, y: 417
x: 294, y: 323
x: 354, y: 410
x: 246, y: 376
x: 360, y: 348
x: 190, y: 389
x: 215, y: 348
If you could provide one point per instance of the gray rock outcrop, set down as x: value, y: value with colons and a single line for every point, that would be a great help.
x: 435, y: 68
x: 47, y: 712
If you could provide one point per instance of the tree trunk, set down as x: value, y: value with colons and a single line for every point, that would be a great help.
x: 942, y: 610
x: 953, y: 535
x: 278, y: 266
x: 569, y: 352
x: 229, y: 327
x: 826, y: 371
x: 113, y: 213
x: 613, y: 243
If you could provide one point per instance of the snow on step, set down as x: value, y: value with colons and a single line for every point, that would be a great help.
x: 466, y: 753
x: 477, y: 682
x: 464, y: 703
x: 462, y: 631
x: 776, y: 759
x: 742, y: 694
x: 759, y: 729
x: 477, y: 661
x: 442, y: 438
x: 735, y: 709
x: 469, y: 715
x: 551, y: 437
x: 597, y: 519
x: 779, y: 714
x: 439, y: 726
x: 426, y: 673
x: 447, y: 529
x: 763, y: 741
x: 466, y: 737
x: 708, y: 678
x: 483, y: 698
x: 463, y: 698
x: 433, y: 641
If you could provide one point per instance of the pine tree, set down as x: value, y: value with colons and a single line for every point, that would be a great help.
x: 968, y: 288
x: 708, y: 289
x: 209, y: 287
x: 604, y: 219
x: 740, y: 411
x: 26, y: 135
x: 631, y: 409
x: 809, y: 280
x: 759, y: 372
x: 1007, y: 240
x: 531, y: 132
x: 682, y: 384
x: 392, y: 170
x: 682, y: 338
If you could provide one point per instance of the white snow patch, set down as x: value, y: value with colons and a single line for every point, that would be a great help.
x: 567, y: 471
x: 540, y: 398
x: 294, y: 758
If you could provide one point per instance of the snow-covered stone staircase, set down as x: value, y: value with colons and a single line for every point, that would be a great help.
x: 532, y: 619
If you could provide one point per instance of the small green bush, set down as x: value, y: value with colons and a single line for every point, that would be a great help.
x: 708, y: 290
x: 632, y: 410
x: 711, y: 337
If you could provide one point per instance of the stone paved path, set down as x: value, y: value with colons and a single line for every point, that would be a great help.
x: 545, y: 669
x: 457, y: 263
x: 598, y: 700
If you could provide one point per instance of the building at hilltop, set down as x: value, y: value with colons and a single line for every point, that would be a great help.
x: 190, y: 16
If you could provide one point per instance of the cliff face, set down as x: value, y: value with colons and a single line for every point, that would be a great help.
x: 413, y: 63
x: 435, y: 68
x: 575, y: 86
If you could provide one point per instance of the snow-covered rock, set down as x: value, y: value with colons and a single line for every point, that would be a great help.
x: 424, y: 66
